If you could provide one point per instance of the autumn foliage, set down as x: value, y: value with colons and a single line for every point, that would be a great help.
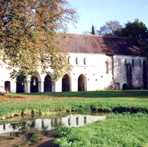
x: 27, y: 34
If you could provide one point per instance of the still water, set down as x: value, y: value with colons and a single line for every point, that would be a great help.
x: 47, y: 124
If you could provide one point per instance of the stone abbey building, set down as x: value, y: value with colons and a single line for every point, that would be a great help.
x: 98, y: 63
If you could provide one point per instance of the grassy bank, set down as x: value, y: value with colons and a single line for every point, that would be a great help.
x: 126, y: 126
x: 55, y: 102
x: 117, y: 131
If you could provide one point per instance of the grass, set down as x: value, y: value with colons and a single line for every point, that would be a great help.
x: 126, y: 127
x: 98, y: 94
x: 118, y: 131
x: 55, y: 102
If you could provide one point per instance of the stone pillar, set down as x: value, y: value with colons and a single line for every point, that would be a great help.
x: 41, y: 84
x: 74, y: 83
x: 27, y: 84
x: 13, y: 86
x: 58, y: 85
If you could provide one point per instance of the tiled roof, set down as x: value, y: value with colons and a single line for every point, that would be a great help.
x: 94, y: 44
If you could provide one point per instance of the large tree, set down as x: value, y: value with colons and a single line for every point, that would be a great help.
x: 137, y: 33
x: 27, y: 34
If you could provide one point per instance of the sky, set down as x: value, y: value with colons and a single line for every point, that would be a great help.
x: 97, y: 12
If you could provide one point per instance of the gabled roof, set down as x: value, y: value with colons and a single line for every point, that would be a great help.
x: 75, y: 43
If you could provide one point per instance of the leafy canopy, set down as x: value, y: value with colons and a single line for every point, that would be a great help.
x: 136, y: 32
x: 27, y: 34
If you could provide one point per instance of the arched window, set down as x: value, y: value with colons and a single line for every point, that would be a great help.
x: 84, y: 61
x: 76, y: 60
x: 107, y: 67
x: 82, y: 84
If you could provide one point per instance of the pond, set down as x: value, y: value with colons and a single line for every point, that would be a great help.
x: 48, y: 124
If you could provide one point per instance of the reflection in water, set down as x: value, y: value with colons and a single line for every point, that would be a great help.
x: 50, y: 124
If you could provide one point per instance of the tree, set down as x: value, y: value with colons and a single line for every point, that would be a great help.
x: 93, y: 30
x: 109, y: 28
x: 27, y: 34
x: 136, y: 32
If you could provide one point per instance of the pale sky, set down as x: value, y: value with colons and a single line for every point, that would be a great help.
x: 97, y: 12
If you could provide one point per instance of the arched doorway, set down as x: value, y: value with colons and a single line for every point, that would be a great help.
x: 66, y: 83
x: 82, y: 83
x: 7, y: 86
x: 20, y: 84
x: 34, y: 84
x: 47, y: 84
x: 125, y: 86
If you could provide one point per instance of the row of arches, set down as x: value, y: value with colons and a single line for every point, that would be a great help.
x: 48, y: 83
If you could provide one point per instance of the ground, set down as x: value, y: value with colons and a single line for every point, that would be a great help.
x: 126, y: 125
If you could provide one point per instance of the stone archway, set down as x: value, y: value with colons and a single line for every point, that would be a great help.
x: 34, y: 84
x: 82, y: 83
x: 66, y: 83
x: 20, y: 84
x: 48, y: 84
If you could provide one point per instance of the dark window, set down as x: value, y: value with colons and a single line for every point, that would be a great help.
x: 107, y: 67
x: 77, y: 121
x: 76, y: 60
x: 133, y: 63
x: 85, y: 120
x: 69, y: 121
x: 128, y: 68
x: 84, y: 61
x: 7, y: 86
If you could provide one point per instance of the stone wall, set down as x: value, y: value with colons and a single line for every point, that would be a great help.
x: 99, y: 72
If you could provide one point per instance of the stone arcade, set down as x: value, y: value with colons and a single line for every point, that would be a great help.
x: 98, y: 63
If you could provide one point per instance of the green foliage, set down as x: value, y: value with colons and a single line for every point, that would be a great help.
x: 117, y: 131
x: 27, y: 34
x: 136, y: 32
x: 62, y: 131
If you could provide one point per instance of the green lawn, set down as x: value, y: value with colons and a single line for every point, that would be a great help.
x: 84, y: 102
x: 99, y: 94
x: 118, y: 131
x: 127, y: 125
